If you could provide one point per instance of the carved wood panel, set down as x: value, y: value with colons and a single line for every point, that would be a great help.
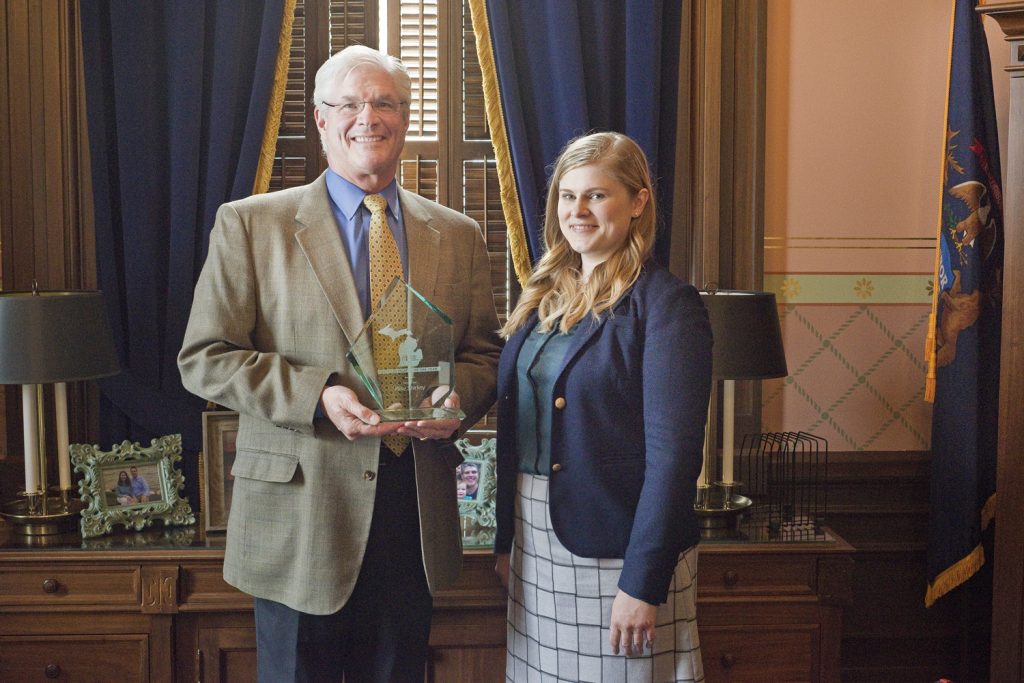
x: 160, y: 589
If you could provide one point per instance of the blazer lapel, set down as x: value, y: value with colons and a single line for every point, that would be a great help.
x: 423, y: 243
x: 585, y: 329
x: 510, y: 354
x: 321, y: 244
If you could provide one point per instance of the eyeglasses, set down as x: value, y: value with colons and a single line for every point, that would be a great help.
x: 354, y: 108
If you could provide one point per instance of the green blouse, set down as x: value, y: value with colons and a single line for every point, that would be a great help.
x: 540, y: 359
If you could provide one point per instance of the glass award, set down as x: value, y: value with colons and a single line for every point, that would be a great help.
x: 405, y: 357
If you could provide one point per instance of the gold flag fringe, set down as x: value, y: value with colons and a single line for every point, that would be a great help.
x: 989, y: 511
x: 499, y: 139
x: 955, y: 575
x: 930, y: 340
x: 965, y: 568
x: 273, y: 122
x: 929, y: 349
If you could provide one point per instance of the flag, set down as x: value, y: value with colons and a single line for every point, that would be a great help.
x: 964, y: 327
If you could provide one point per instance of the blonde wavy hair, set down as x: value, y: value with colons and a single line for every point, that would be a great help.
x: 554, y: 288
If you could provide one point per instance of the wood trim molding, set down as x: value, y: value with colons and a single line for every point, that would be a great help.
x: 1008, y: 580
x: 1009, y: 15
x: 46, y: 221
x: 718, y: 227
x: 718, y: 201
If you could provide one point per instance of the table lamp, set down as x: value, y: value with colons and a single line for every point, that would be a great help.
x: 748, y: 345
x: 50, y: 337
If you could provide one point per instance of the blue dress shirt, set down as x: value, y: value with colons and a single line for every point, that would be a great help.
x: 353, y: 220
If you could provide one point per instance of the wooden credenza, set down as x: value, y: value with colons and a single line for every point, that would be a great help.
x: 152, y: 606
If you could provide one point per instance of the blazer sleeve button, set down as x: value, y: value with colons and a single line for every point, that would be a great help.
x: 369, y: 475
x: 556, y: 467
x: 560, y: 402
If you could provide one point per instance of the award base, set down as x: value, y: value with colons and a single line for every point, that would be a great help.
x: 412, y: 414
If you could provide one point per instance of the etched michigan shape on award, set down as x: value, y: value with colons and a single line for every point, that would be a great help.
x: 405, y: 357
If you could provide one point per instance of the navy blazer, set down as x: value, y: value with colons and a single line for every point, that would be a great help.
x: 629, y: 439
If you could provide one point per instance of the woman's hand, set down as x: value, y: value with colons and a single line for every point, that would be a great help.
x: 632, y: 625
x: 501, y: 568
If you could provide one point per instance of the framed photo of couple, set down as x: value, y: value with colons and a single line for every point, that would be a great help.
x: 131, y: 486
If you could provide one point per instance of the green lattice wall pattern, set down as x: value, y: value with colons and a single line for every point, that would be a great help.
x: 855, y: 350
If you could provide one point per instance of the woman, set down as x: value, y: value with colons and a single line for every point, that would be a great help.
x: 123, y: 489
x: 602, y: 397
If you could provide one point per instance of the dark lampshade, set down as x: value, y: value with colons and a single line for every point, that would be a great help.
x: 58, y: 336
x: 748, y: 338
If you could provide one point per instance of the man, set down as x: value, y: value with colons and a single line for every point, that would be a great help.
x: 140, y: 487
x: 471, y: 477
x: 340, y: 539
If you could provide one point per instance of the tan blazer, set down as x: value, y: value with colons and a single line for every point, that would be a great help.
x: 274, y: 312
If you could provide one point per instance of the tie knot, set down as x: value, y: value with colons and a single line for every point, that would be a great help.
x: 375, y: 203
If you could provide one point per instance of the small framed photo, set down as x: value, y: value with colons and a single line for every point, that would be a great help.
x: 131, y: 486
x: 475, y: 488
x: 220, y: 429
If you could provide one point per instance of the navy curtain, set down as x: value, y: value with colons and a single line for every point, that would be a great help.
x: 568, y: 67
x: 177, y: 96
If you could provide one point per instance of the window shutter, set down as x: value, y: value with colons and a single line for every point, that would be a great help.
x: 293, y: 149
x: 320, y: 28
x: 351, y: 22
x: 420, y: 50
x: 295, y: 111
x: 420, y: 176
x: 483, y: 204
x: 474, y: 114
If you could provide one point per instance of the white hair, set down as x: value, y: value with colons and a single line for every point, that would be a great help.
x: 338, y: 66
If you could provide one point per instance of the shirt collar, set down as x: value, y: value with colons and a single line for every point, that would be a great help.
x: 348, y: 198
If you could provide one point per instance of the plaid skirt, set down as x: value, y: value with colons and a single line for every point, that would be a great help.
x: 560, y: 607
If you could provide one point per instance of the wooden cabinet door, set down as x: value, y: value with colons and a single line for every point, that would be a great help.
x: 215, y: 647
x: 227, y: 654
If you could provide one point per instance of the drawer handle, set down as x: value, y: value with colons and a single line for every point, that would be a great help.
x: 730, y: 578
x: 50, y: 586
x: 52, y: 671
x: 728, y: 660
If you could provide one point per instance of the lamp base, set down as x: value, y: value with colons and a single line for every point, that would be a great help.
x: 717, y: 521
x: 54, y: 516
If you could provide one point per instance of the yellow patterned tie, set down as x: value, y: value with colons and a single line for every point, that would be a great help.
x: 385, y: 266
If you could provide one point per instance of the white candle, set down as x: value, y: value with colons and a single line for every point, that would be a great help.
x: 31, y: 429
x: 728, y: 423
x: 60, y: 400
x: 702, y: 480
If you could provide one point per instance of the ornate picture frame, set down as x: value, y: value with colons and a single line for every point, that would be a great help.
x: 131, y: 486
x: 478, y: 516
x: 220, y: 428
